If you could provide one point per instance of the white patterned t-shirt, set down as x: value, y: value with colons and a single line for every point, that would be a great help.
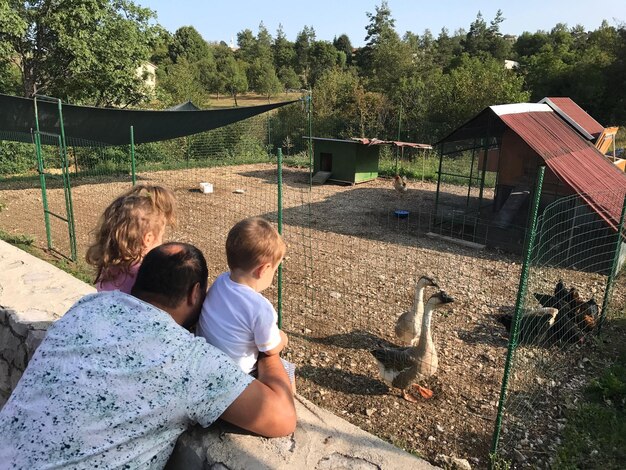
x: 113, y: 384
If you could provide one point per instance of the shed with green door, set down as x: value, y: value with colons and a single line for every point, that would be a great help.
x: 346, y: 161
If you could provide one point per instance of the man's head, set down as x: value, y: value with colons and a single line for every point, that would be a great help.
x: 174, y: 277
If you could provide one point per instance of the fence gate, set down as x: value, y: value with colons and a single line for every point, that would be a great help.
x: 56, y: 193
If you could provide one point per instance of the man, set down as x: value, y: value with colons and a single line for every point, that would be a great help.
x: 119, y: 378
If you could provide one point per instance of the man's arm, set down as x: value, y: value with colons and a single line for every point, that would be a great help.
x: 266, y: 406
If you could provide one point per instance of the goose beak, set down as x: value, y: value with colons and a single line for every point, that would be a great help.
x: 445, y: 298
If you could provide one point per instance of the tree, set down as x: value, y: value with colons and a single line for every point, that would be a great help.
x: 283, y: 50
x: 322, y: 56
x: 471, y: 86
x: 265, y: 80
x: 289, y: 78
x: 343, y: 44
x: 86, y: 50
x: 483, y: 40
x: 386, y: 60
x: 232, y: 76
x: 188, y: 43
x: 302, y: 46
x: 181, y: 82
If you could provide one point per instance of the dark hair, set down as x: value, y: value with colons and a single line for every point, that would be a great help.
x: 169, y: 272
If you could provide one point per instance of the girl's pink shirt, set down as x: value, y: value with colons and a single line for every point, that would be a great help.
x: 120, y: 281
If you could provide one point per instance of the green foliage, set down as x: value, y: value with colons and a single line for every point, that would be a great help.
x: 21, y: 241
x: 16, y: 158
x: 85, y: 51
x: 498, y: 463
x: 610, y: 387
x: 472, y: 85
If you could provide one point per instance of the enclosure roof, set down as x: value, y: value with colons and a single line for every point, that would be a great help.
x: 516, y: 108
x: 366, y: 141
x: 111, y: 125
x: 186, y: 106
x: 574, y: 160
x: 575, y: 116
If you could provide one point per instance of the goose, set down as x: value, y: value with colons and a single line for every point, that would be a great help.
x: 409, y: 324
x: 401, y: 367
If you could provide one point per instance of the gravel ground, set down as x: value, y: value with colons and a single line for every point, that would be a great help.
x: 350, y: 271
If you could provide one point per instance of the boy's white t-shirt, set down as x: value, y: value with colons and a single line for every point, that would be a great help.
x: 239, y: 321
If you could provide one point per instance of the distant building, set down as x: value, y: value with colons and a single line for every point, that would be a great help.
x: 147, y: 73
x: 510, y: 64
x: 510, y: 38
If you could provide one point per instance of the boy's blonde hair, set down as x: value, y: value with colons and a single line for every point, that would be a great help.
x: 123, y: 225
x: 253, y: 242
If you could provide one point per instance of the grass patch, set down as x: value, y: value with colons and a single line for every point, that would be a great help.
x: 595, y: 434
x: 80, y: 269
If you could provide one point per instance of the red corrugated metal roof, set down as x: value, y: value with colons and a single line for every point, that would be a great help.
x: 574, y: 160
x: 565, y: 106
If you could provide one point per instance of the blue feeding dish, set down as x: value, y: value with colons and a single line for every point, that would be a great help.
x: 401, y: 214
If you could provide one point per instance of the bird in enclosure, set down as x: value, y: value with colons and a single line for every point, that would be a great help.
x: 409, y: 324
x: 544, y: 326
x: 403, y: 367
x: 534, y: 326
x: 399, y: 184
x: 570, y: 303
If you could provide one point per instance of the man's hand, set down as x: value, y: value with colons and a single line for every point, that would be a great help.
x: 266, y: 406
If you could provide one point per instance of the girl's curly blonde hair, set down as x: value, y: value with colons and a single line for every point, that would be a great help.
x: 120, y: 232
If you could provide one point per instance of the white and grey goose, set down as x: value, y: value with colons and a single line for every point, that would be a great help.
x: 409, y: 324
x: 403, y: 367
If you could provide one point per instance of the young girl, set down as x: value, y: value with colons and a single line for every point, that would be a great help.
x: 129, y: 228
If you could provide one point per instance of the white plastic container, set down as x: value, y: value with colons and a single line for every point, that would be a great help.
x: 206, y: 187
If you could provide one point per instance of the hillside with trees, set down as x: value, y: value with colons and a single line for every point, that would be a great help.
x: 420, y: 85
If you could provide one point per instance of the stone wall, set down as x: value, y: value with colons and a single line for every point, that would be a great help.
x: 34, y: 293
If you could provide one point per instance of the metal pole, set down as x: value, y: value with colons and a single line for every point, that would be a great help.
x: 133, y: 170
x: 438, y: 178
x: 309, y: 102
x: 613, y: 272
x: 42, y: 177
x: 521, y: 293
x: 399, y: 128
x: 68, y: 187
x: 280, y: 231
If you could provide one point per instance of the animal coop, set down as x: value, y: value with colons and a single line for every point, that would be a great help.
x: 345, y: 161
x: 497, y: 154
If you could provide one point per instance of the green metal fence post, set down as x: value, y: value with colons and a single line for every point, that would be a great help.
x: 42, y: 177
x: 69, y: 206
x: 521, y: 293
x: 309, y: 103
x: 613, y: 272
x: 132, y: 155
x: 399, y: 128
x: 280, y: 230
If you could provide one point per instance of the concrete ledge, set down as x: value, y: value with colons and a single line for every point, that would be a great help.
x: 321, y: 441
x: 34, y: 293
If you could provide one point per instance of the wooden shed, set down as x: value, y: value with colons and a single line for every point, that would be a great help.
x: 346, y: 161
x: 498, y: 154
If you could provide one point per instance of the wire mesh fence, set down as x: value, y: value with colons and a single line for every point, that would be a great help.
x: 354, y: 257
x: 566, y: 292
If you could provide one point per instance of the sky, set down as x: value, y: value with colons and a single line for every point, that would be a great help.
x: 222, y: 20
